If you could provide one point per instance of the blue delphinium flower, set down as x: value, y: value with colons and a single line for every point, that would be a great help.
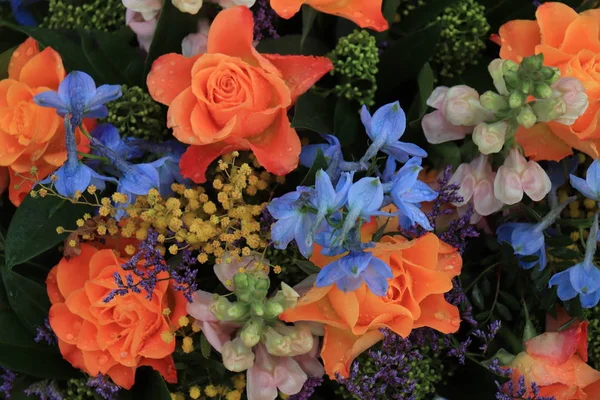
x: 169, y: 172
x: 350, y: 271
x: 77, y: 95
x: 139, y: 179
x: 582, y: 279
x: 73, y: 176
x: 109, y: 136
x: 332, y: 151
x: 385, y: 128
x: 527, y: 239
x: 328, y: 199
x: 590, y: 186
x: 22, y: 16
x: 295, y: 219
x: 408, y: 193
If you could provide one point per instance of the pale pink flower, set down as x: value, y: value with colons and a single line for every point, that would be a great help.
x: 144, y: 29
x: 490, y: 138
x: 518, y: 176
x: 237, y: 357
x: 233, y: 3
x: 495, y: 68
x: 195, y: 43
x: 216, y: 332
x: 572, y: 93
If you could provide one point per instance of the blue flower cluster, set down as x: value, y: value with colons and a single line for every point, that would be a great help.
x: 332, y: 212
x: 78, y: 98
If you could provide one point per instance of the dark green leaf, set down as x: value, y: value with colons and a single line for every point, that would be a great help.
x: 205, y: 347
x: 419, y: 106
x: 27, y: 298
x: 173, y: 26
x: 32, y: 230
x: 477, y: 297
x: 445, y: 153
x: 314, y: 113
x: 425, y: 15
x: 4, y: 60
x: 418, y: 47
x: 19, y: 352
x: 293, y: 45
x: 390, y: 8
x: 346, y: 122
x: 510, y: 300
x: 150, y: 385
x: 504, y: 312
x: 308, y: 267
x: 308, y: 18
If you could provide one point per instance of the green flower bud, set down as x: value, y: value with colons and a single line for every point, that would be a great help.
x: 532, y: 63
x: 509, y: 66
x: 526, y: 117
x: 542, y: 91
x: 273, y: 309
x: 220, y: 308
x: 517, y: 99
x: 242, y: 282
x: 549, y: 109
x: 512, y: 79
x: 493, y: 101
x: 276, y: 343
x: 257, y: 309
x: 237, y: 311
x: 251, y: 332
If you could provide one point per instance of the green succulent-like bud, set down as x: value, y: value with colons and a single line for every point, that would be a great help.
x: 547, y: 110
x: 257, y: 309
x: 542, y: 90
x: 526, y: 117
x: 517, y: 99
x: 493, y: 101
x: 102, y: 15
x: 273, y: 309
x: 533, y: 63
x: 251, y: 332
x: 509, y: 66
x: 238, y: 311
x: 512, y: 79
x: 220, y: 308
x: 241, y: 282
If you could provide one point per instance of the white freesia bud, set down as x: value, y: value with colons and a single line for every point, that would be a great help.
x: 237, y: 357
x: 490, y: 138
x: 496, y: 71
x: 518, y: 176
x: 572, y: 93
x: 461, y: 106
x: 188, y: 6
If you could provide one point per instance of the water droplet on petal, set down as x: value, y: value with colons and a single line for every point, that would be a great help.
x: 289, y: 148
x: 16, y: 54
x: 440, y: 316
x: 172, y: 63
x: 102, y: 360
x: 159, y: 92
x: 29, y: 52
x: 455, y: 322
x: 124, y: 354
x: 70, y: 336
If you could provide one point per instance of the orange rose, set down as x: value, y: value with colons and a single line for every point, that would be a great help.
x: 30, y: 135
x: 571, y: 42
x: 556, y: 362
x: 111, y: 338
x: 422, y: 272
x: 233, y: 98
x: 364, y: 13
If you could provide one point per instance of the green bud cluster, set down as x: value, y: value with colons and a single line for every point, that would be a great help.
x: 103, y: 15
x: 77, y: 389
x: 593, y: 317
x: 407, y: 6
x: 136, y: 114
x: 464, y: 31
x: 355, y: 60
x: 520, y: 82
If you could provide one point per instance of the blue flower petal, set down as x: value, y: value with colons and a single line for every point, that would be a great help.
x: 525, y: 241
x: 51, y: 99
x: 401, y: 151
x: 349, y: 283
x: 330, y: 274
x: 592, y: 176
x: 565, y: 290
x: 366, y: 195
x: 308, y: 155
x: 376, y: 282
x: 76, y: 90
x: 389, y: 120
x: 590, y: 300
x: 103, y: 95
x: 139, y: 180
x: 365, y: 118
x: 582, y: 186
x: 283, y: 207
x: 420, y: 192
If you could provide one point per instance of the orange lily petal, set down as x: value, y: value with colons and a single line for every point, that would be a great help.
x: 519, y: 38
x: 170, y: 75
x: 581, y: 34
x: 341, y: 347
x: 438, y: 314
x: 278, y: 148
x: 196, y: 159
x: 232, y: 33
x: 300, y: 73
x: 554, y: 19
x: 21, y: 56
x: 541, y: 143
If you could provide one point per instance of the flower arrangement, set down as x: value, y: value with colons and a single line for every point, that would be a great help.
x: 299, y: 199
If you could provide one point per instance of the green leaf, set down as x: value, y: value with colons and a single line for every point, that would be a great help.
x: 314, y: 113
x: 293, y: 45
x: 308, y: 267
x: 150, y: 385
x: 346, y: 123
x: 205, y: 347
x: 4, y: 60
x: 32, y: 230
x: 390, y: 7
x: 445, y: 153
x: 510, y: 300
x: 20, y: 353
x: 422, y: 16
x: 28, y: 299
x: 309, y: 15
x: 419, y: 46
x: 504, y: 312
x: 477, y: 297
x: 173, y: 26
x: 419, y: 106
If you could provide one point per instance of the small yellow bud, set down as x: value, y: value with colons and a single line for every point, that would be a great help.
x: 196, y: 328
x: 72, y: 243
x: 211, y: 391
x: 166, y: 312
x: 43, y: 192
x: 195, y: 392
x: 86, y: 216
x: 277, y: 269
x: 33, y: 193
x: 91, y: 189
x: 80, y: 222
x: 167, y: 336
x: 209, y: 207
x: 235, y: 153
x: 177, y: 396
x: 202, y: 258
x: 130, y: 249
x: 233, y: 395
x: 173, y: 249
x: 188, y: 345
x: 183, y: 321
x: 60, y: 230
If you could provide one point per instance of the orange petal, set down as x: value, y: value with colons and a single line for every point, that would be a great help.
x: 122, y: 376
x: 278, y: 148
x: 232, y: 33
x: 196, y: 159
x: 427, y: 282
x: 20, y: 188
x: 165, y: 366
x: 286, y: 8
x: 519, y: 38
x: 177, y: 303
x: 554, y: 19
x: 318, y: 311
x: 73, y: 273
x: 424, y: 252
x: 98, y: 362
x: 155, y: 347
x: 581, y: 34
x: 21, y: 56
x: 170, y: 75
x: 540, y: 143
x: 345, y: 305
x: 557, y: 347
x: 300, y: 72
x: 86, y: 340
x: 205, y: 130
x: 341, y: 347
x: 438, y: 314
x: 52, y: 287
x: 72, y: 354
x: 366, y: 14
x: 44, y: 69
x: 79, y: 304
x: 64, y: 323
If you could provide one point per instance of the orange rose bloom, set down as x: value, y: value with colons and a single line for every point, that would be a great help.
x: 556, y: 362
x: 30, y: 135
x: 364, y: 13
x: 233, y: 98
x: 571, y: 42
x: 422, y: 272
x: 111, y: 338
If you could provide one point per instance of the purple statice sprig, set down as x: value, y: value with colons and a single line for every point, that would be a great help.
x: 457, y: 297
x: 45, y: 390
x: 46, y: 334
x: 264, y: 18
x: 104, y: 387
x: 486, y: 336
x: 308, y: 389
x: 146, y: 265
x: 7, y: 381
x: 459, y: 230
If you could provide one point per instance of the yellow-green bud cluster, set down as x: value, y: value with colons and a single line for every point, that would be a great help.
x: 355, y: 60
x: 77, y: 389
x: 103, y: 15
x: 464, y: 31
x: 135, y: 114
x: 593, y: 317
x: 407, y: 6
